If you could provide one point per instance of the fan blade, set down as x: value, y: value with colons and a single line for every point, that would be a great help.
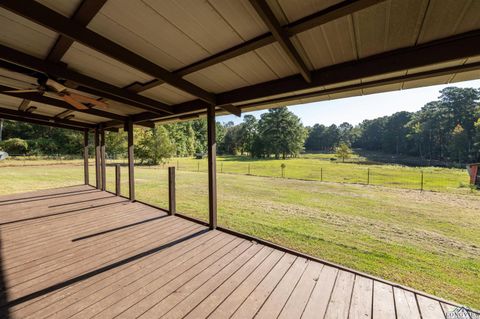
x: 86, y: 99
x: 55, y: 86
x: 22, y: 91
x: 70, y: 100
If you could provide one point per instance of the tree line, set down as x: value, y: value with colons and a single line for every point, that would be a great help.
x: 445, y: 129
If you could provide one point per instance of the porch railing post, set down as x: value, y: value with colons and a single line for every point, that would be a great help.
x: 212, y: 167
x: 85, y: 157
x: 97, y: 159
x: 102, y: 155
x: 117, y: 180
x: 172, y: 204
x: 131, y: 173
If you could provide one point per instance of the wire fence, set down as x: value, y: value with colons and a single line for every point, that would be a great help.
x: 419, y: 178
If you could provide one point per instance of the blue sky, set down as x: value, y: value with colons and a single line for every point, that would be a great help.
x: 356, y: 109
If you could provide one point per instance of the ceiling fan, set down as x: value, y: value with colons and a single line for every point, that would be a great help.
x: 78, y: 101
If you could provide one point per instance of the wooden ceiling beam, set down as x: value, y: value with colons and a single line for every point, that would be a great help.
x: 39, y: 122
x: 281, y: 36
x: 36, y: 97
x: 56, y: 22
x: 44, y: 118
x: 101, y: 88
x: 453, y: 48
x: 82, y: 16
x: 24, y: 105
x: 319, y: 18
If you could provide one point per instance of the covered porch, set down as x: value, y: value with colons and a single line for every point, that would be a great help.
x: 84, y: 252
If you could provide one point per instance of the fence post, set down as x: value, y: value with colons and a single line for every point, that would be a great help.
x: 248, y: 169
x: 421, y: 181
x: 368, y: 176
x: 198, y: 167
x: 117, y: 180
x: 221, y: 167
x: 172, y: 207
x: 321, y: 174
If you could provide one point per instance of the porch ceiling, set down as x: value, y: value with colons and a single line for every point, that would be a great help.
x: 168, y: 60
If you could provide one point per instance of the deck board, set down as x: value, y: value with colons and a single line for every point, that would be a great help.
x: 78, y: 252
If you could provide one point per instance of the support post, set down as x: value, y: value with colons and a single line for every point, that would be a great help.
x: 85, y: 157
x: 117, y: 180
x: 212, y: 167
x: 131, y: 175
x: 102, y: 156
x: 97, y: 159
x: 172, y: 204
x: 421, y: 181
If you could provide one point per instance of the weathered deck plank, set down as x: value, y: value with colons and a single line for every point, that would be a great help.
x: 78, y: 252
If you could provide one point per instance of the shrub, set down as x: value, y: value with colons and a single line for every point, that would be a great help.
x: 15, y: 146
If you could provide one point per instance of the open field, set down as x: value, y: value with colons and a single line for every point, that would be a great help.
x: 312, y: 167
x: 319, y: 167
x: 426, y: 240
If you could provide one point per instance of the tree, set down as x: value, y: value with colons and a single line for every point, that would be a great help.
x: 233, y: 141
x: 116, y: 144
x: 281, y: 133
x: 345, y: 133
x: 343, y: 151
x: 249, y: 130
x: 154, y: 146
x: 14, y: 146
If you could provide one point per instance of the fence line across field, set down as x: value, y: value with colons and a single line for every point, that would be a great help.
x: 402, y: 177
x: 408, y: 179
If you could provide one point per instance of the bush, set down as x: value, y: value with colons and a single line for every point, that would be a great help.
x: 14, y: 146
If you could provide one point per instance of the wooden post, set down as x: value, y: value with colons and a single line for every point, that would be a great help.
x: 421, y: 181
x: 117, y: 180
x: 368, y: 176
x: 172, y: 204
x: 321, y: 174
x: 102, y: 157
x: 131, y: 176
x: 212, y: 167
x: 85, y: 157
x: 98, y: 180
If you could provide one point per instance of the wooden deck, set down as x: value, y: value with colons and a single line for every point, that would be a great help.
x: 77, y: 252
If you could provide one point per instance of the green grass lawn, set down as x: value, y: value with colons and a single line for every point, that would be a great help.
x: 319, y: 167
x: 427, y: 240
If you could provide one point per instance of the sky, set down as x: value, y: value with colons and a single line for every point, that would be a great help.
x: 356, y: 109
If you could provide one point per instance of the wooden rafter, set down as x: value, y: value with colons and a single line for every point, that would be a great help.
x: 54, y: 21
x: 39, y: 122
x: 23, y: 105
x: 64, y: 114
x: 82, y: 16
x: 453, y: 48
x: 36, y: 97
x: 329, y: 14
x: 281, y: 36
x: 44, y: 118
x: 101, y: 88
